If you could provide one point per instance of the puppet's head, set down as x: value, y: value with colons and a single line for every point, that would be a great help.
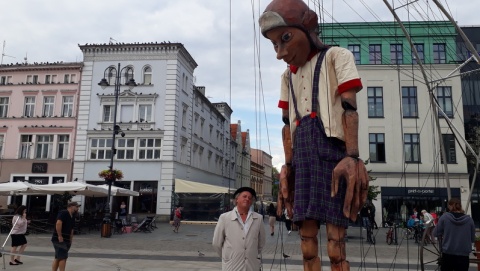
x: 291, y: 13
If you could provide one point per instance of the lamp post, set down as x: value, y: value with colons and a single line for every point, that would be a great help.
x: 117, y: 72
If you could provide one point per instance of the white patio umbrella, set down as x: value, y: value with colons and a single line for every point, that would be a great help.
x: 118, y: 191
x: 73, y: 188
x: 14, y: 188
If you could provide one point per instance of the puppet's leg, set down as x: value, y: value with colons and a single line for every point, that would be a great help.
x: 336, y: 248
x: 308, y: 234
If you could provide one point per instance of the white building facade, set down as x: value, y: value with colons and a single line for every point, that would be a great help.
x: 171, y: 131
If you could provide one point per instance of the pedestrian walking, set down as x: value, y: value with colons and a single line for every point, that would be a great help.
x: 457, y: 231
x: 239, y: 235
x: 177, y: 217
x: 272, y: 217
x: 19, y: 222
x: 62, y: 237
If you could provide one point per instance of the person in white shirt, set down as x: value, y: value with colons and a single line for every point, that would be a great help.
x: 19, y: 229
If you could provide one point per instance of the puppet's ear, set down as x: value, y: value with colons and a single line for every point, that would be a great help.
x: 310, y: 21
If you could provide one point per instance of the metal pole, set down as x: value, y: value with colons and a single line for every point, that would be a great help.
x: 107, y: 218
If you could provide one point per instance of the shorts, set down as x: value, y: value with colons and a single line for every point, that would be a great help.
x: 61, y: 249
x: 18, y: 240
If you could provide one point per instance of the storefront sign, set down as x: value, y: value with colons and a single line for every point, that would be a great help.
x: 39, y: 167
x: 420, y: 191
x: 38, y: 180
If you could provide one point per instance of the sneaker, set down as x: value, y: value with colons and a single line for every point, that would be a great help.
x: 17, y: 261
x: 289, y: 232
x: 271, y: 234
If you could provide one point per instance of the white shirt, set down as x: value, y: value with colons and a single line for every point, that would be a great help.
x: 248, y: 221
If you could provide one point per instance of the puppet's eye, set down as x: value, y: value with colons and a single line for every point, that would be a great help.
x: 286, y: 37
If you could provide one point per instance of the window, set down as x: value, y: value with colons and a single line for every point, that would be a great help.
x: 69, y: 78
x: 1, y: 145
x: 421, y: 53
x: 396, y: 53
x: 145, y: 112
x: 412, y: 148
x: 125, y: 148
x: 62, y: 146
x: 25, y: 144
x: 108, y: 111
x: 50, y: 79
x: 355, y: 49
x: 4, y: 106
x: 126, y: 113
x: 377, y: 147
x: 5, y: 80
x: 375, y: 102
x: 375, y: 52
x: 449, y: 145
x: 184, y: 116
x: 202, y: 124
x: 128, y: 74
x: 147, y: 75
x: 444, y: 98
x: 48, y: 106
x: 67, y: 106
x: 32, y: 79
x: 29, y: 109
x: 439, y: 53
x: 100, y: 148
x: 409, y: 102
x: 112, y: 72
x: 149, y: 148
x: 44, y: 147
x: 183, y: 147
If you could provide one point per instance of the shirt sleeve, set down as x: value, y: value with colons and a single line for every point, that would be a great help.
x: 284, y: 94
x: 219, y: 236
x: 347, y: 74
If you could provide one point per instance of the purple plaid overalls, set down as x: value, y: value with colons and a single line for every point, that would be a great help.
x: 314, y: 157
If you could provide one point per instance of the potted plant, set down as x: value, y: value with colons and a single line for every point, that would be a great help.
x: 113, y: 175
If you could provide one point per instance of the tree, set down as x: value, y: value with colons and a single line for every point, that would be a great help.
x: 275, y: 182
x: 373, y: 190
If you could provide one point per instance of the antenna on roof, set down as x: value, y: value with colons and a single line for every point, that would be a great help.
x: 112, y: 40
x: 25, y: 58
x: 3, y: 53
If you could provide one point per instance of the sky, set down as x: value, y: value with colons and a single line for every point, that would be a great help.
x: 236, y: 64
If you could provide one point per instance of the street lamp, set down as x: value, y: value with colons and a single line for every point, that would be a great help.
x: 117, y: 72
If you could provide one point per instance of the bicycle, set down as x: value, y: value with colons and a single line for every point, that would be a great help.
x: 391, y: 233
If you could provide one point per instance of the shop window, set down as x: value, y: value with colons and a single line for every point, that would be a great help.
x: 146, y: 202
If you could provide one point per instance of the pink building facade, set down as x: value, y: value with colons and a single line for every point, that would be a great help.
x: 38, y: 112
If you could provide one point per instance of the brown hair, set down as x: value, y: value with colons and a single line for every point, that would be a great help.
x: 20, y: 210
x: 455, y: 205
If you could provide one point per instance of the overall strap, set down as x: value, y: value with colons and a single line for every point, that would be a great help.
x: 316, y: 81
x: 316, y: 76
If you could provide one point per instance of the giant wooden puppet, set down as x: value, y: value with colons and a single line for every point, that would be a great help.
x: 323, y: 180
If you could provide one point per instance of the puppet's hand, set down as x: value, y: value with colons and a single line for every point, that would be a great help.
x: 286, y: 188
x: 355, y: 174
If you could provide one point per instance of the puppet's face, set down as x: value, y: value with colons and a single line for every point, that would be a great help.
x: 291, y: 44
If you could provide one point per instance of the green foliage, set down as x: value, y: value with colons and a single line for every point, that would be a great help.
x: 61, y: 201
x: 275, y: 183
x: 373, y: 190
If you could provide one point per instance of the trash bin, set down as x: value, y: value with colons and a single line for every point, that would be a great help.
x: 106, y: 230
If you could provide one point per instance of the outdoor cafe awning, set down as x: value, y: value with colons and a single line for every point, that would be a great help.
x: 184, y: 186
